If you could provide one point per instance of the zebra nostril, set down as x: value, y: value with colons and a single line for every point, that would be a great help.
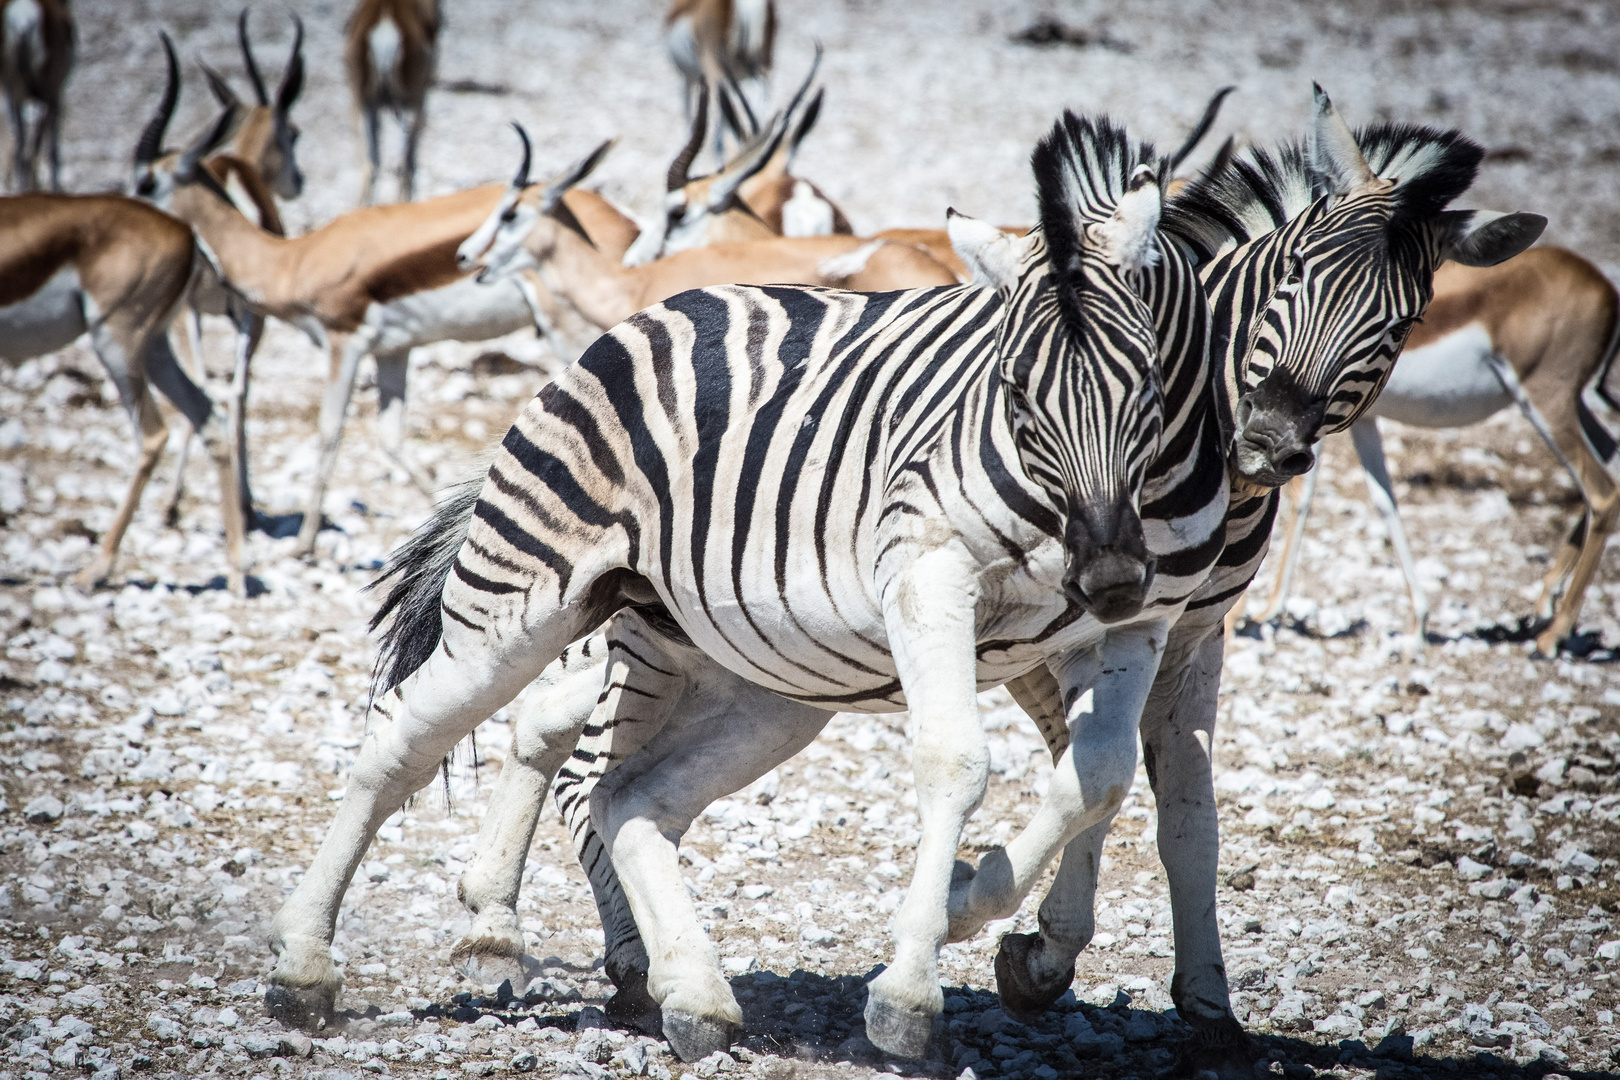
x: 1295, y: 464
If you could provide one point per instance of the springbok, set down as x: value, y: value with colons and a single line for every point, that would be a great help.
x: 380, y: 281
x: 266, y: 138
x: 710, y: 41
x: 524, y: 233
x: 1540, y: 330
x: 36, y: 57
x: 390, y: 50
x: 116, y: 269
x: 258, y: 163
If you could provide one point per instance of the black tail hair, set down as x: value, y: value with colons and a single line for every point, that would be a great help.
x: 418, y: 569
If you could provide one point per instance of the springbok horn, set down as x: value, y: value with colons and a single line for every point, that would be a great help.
x: 681, y: 167
x: 735, y: 88
x: 247, y: 58
x: 292, y: 79
x: 1334, y: 151
x: 1204, y: 123
x: 150, y: 146
x: 804, y: 87
x: 521, y: 180
x: 812, y: 113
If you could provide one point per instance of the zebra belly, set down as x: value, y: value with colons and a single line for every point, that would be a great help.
x: 1448, y: 383
x: 48, y: 320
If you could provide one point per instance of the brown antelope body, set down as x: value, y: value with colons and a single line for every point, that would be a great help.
x: 116, y: 269
x: 524, y: 232
x: 390, y: 51
x: 36, y: 57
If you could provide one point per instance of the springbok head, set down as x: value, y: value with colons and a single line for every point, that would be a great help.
x: 266, y: 136
x: 160, y: 172
x: 521, y: 231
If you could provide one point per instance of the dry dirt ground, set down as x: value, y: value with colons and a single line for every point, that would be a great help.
x: 1420, y: 851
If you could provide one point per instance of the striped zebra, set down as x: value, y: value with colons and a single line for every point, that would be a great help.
x: 854, y: 501
x: 1035, y: 969
x: 654, y: 672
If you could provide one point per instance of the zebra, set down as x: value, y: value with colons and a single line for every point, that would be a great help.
x: 851, y: 500
x: 1284, y: 182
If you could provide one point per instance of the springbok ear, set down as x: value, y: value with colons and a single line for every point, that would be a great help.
x: 219, y: 87
x: 746, y: 164
x: 1335, y: 154
x: 1128, y: 239
x: 206, y: 144
x: 574, y: 175
x: 1484, y: 238
x: 991, y: 255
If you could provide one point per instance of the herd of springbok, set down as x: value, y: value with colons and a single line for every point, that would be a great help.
x: 201, y: 234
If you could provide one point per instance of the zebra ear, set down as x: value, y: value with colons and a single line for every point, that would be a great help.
x: 1484, y: 238
x: 1335, y: 154
x: 1128, y: 238
x: 992, y: 256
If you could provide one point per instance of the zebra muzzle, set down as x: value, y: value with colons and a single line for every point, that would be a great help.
x: 1110, y: 579
x: 1276, y: 431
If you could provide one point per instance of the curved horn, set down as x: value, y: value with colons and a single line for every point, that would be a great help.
x: 150, y: 146
x: 292, y: 79
x: 247, y: 59
x: 521, y: 180
x: 1334, y: 151
x: 811, y: 114
x: 1202, y: 128
x: 804, y: 87
x: 680, y: 169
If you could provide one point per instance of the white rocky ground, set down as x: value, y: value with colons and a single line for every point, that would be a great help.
x: 1423, y: 844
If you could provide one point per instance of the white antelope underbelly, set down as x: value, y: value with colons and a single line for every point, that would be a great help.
x: 1448, y: 383
x: 48, y: 320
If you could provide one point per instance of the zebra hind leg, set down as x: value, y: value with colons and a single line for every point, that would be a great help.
x: 720, y: 735
x: 492, y: 950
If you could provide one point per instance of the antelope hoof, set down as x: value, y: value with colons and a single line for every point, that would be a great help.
x: 1026, y: 994
x: 897, y: 1030
x: 633, y: 1007
x: 90, y: 577
x: 313, y: 1008
x: 1220, y: 1048
x: 694, y: 1037
x: 491, y: 961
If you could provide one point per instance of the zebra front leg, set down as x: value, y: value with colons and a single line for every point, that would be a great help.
x: 1088, y: 785
x: 721, y: 733
x: 1178, y: 732
x: 561, y: 700
x: 929, y: 612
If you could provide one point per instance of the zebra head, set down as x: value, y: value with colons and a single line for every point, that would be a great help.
x: 1333, y: 292
x: 520, y: 232
x: 1077, y: 350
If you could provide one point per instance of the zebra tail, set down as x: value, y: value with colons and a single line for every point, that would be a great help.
x: 417, y: 570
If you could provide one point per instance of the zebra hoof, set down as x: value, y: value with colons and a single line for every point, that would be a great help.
x: 896, y: 1030
x: 632, y: 1006
x: 1221, y: 1049
x: 313, y: 1008
x: 1026, y: 995
x: 695, y: 1037
x: 490, y: 961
